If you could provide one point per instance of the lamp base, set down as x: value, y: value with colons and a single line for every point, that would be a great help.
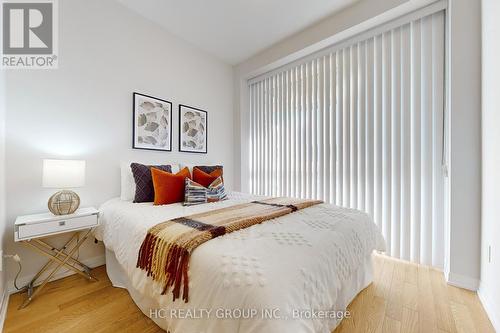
x: 64, y: 202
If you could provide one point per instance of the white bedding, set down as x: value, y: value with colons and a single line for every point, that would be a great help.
x: 314, y: 259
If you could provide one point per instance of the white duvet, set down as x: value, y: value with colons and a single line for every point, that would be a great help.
x: 278, y: 276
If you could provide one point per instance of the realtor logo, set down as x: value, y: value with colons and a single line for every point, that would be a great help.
x: 29, y: 34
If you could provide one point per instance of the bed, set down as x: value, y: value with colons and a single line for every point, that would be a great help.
x: 278, y: 276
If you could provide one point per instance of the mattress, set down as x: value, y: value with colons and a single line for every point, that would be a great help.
x: 295, y: 273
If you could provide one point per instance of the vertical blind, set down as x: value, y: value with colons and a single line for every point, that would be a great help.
x: 361, y: 126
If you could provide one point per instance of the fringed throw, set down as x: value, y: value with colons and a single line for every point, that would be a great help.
x: 167, y: 247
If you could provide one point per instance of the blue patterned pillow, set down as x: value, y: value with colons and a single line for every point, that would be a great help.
x: 216, y: 191
x: 195, y: 194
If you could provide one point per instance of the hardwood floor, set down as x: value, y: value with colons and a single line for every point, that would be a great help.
x: 404, y: 297
x: 407, y: 297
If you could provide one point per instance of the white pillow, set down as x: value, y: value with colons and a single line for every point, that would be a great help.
x: 128, y: 182
x: 189, y: 166
x: 175, y: 167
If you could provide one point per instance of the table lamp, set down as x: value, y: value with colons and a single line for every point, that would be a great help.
x: 62, y: 174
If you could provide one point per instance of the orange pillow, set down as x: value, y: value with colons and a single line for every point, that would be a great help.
x: 205, y: 179
x: 169, y: 187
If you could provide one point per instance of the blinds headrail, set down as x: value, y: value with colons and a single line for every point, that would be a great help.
x: 372, y: 32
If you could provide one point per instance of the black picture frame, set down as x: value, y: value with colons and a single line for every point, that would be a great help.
x: 181, y: 147
x: 146, y: 146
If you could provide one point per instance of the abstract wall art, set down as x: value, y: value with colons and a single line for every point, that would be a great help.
x: 152, y: 125
x: 193, y: 129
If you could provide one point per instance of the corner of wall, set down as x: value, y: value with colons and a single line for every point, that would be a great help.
x: 236, y: 131
x: 491, y: 306
x: 3, y: 290
x: 461, y: 281
x: 464, y: 103
x: 489, y: 290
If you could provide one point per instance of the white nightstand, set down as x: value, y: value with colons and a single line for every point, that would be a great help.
x: 30, y: 229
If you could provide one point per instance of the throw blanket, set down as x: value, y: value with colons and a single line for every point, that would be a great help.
x: 165, y: 252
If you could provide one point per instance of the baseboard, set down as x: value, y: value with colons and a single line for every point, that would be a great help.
x: 491, y: 309
x: 462, y: 281
x: 3, y: 308
x: 90, y: 262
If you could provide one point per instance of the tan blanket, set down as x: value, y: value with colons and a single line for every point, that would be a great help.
x: 166, y: 250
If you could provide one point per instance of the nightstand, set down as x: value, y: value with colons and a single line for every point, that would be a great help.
x: 31, y: 229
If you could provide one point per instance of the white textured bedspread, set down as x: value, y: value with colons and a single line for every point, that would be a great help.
x: 287, y: 267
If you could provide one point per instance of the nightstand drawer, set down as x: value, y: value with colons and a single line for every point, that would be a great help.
x: 35, y: 230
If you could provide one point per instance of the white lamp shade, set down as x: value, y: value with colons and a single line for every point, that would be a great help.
x: 63, y: 173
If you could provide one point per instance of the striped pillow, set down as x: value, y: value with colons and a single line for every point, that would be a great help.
x: 196, y: 194
x: 216, y: 191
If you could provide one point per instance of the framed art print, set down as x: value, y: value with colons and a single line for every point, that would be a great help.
x: 152, y: 125
x: 193, y: 129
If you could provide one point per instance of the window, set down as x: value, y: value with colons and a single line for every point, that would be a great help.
x: 361, y: 125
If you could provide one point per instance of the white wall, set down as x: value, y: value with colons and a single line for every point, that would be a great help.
x: 84, y: 109
x: 489, y: 290
x: 464, y: 84
x: 2, y: 186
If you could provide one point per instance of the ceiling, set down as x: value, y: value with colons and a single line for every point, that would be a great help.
x: 234, y: 30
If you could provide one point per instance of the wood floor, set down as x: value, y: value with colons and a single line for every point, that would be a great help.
x: 403, y: 298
